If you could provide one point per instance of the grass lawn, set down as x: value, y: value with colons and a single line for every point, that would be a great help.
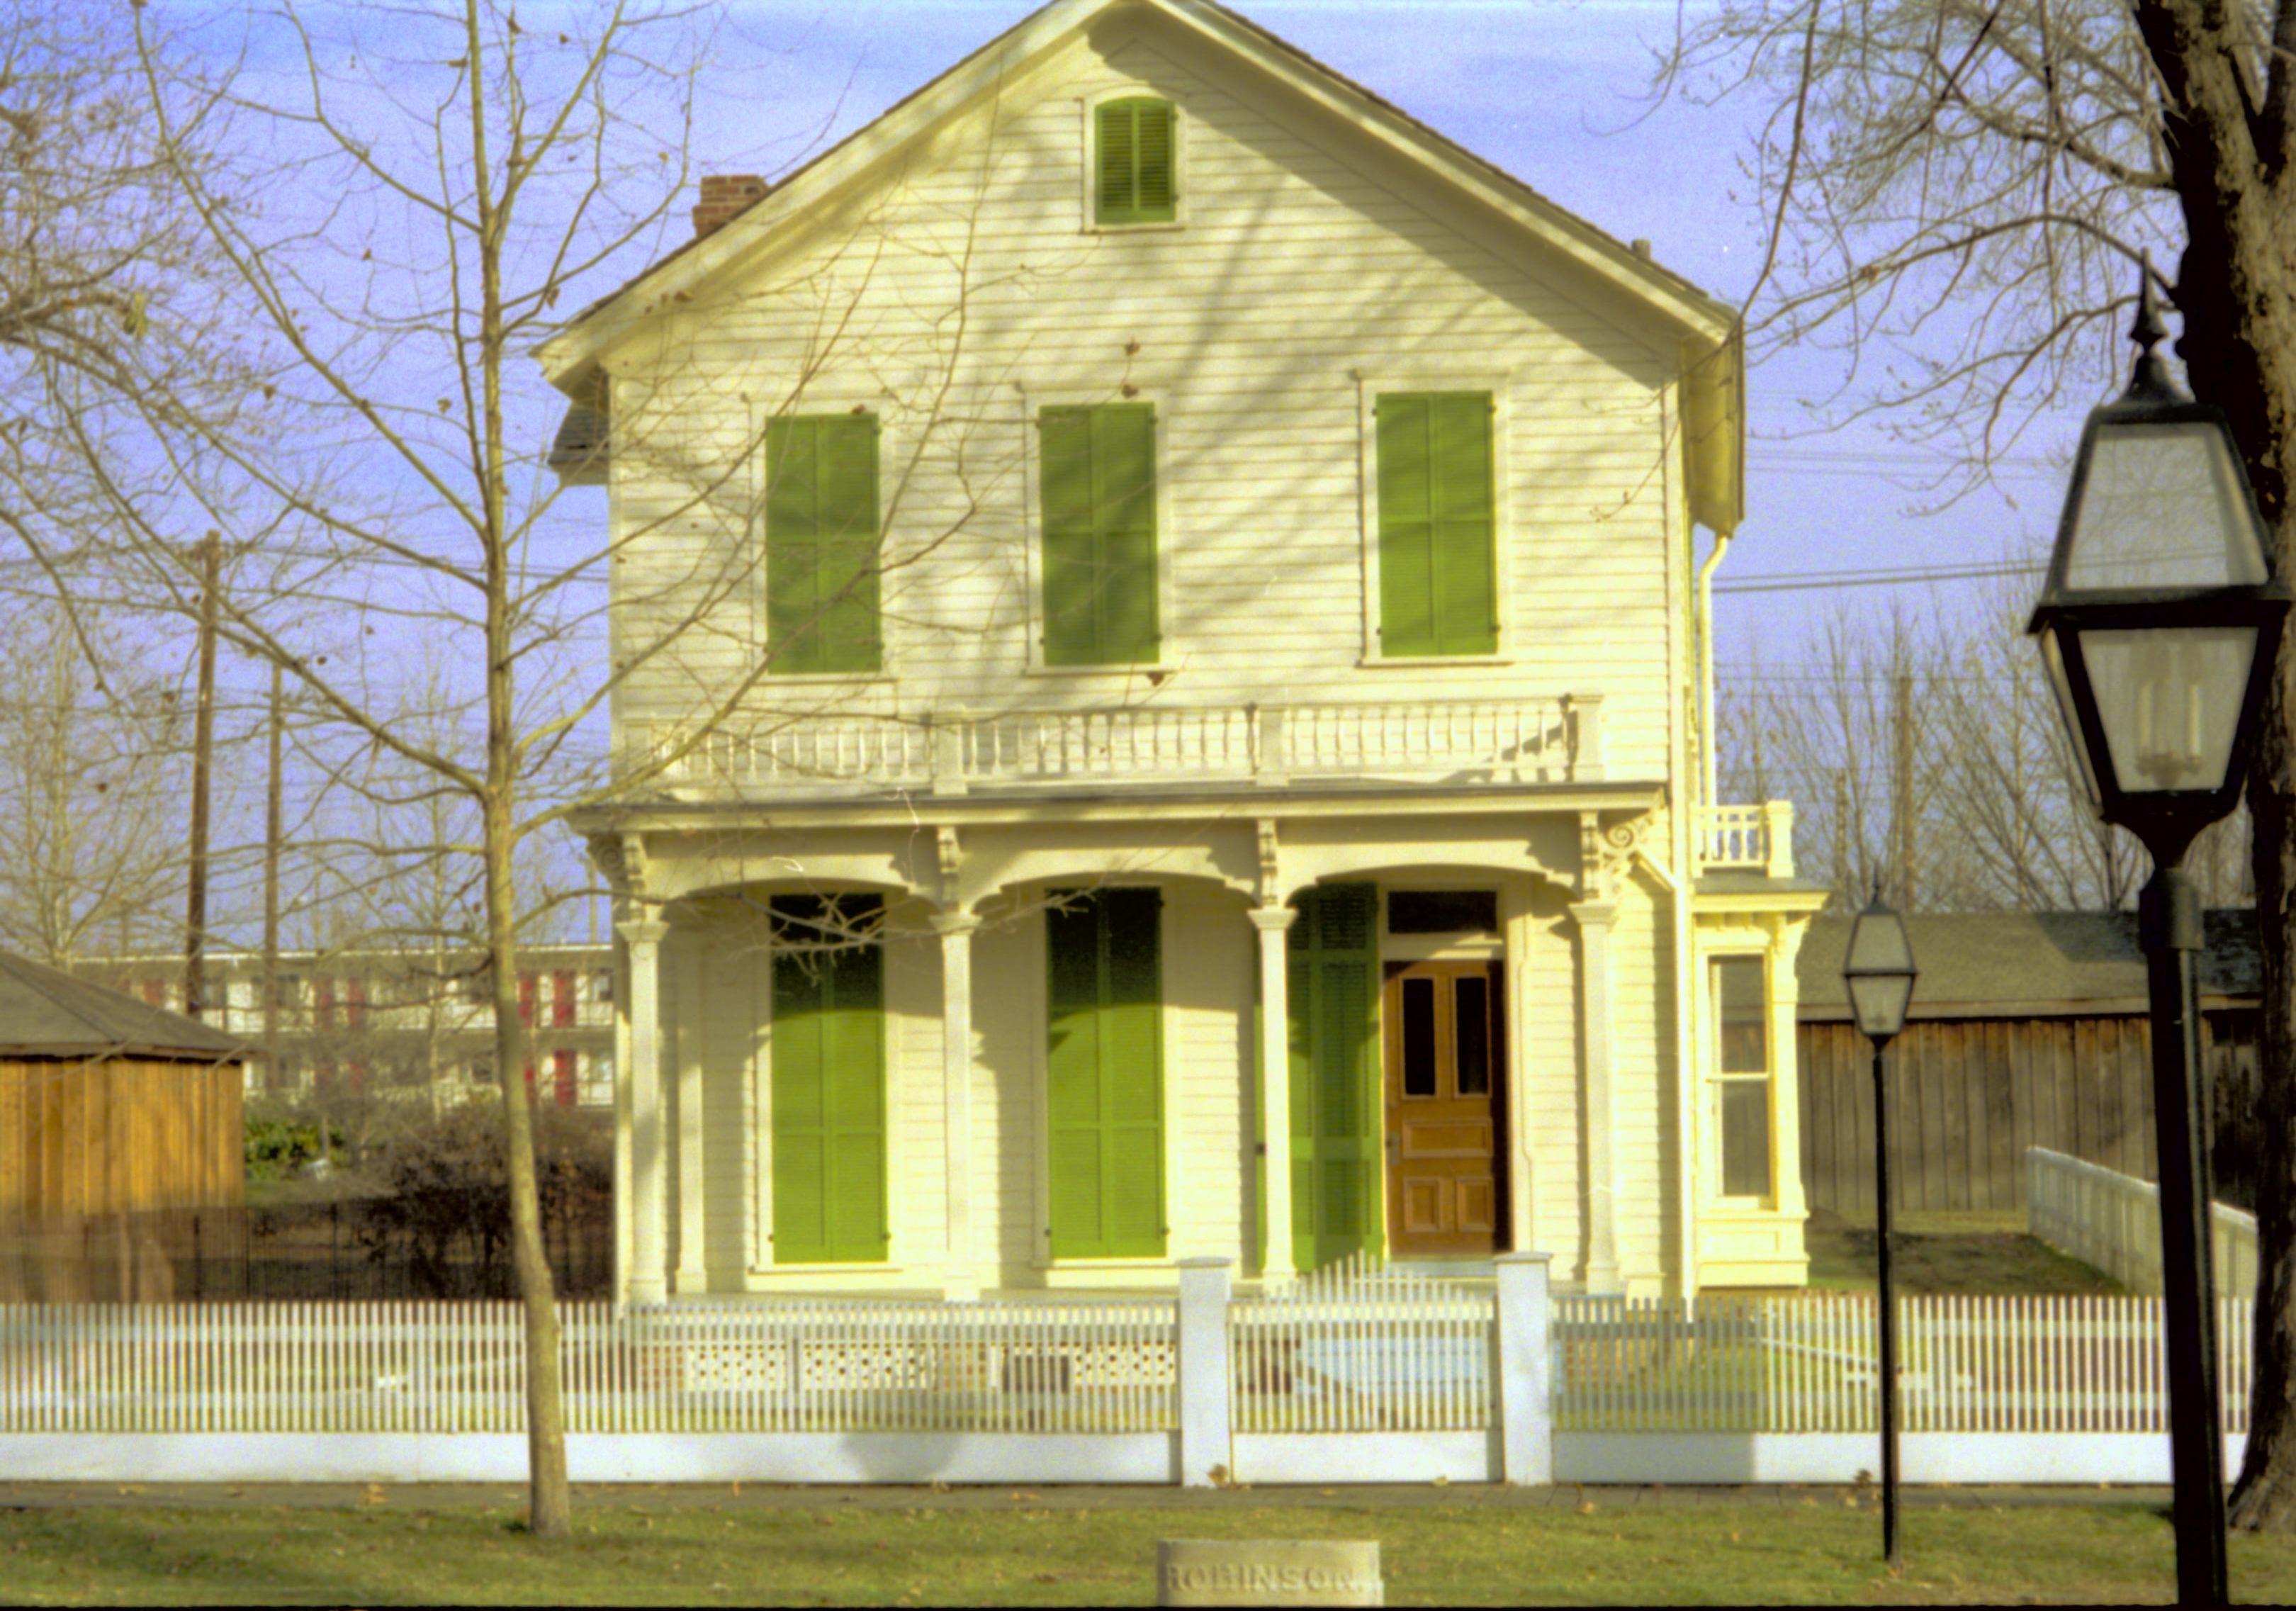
x: 909, y: 1548
x: 1947, y: 1253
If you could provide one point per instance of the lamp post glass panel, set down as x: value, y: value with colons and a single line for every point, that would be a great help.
x: 2160, y: 625
x: 1878, y: 970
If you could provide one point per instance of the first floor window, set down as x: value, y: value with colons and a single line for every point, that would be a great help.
x: 1106, y: 1073
x: 822, y: 558
x: 828, y: 1080
x: 1742, y: 1067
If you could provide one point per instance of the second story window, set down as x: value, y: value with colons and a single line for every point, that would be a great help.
x: 820, y: 543
x: 1136, y: 164
x: 1438, y: 561
x: 1100, y: 561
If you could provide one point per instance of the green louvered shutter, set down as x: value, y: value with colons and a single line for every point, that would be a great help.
x: 1138, y: 162
x: 1336, y: 1162
x: 1099, y: 483
x: 828, y: 1090
x: 820, y: 543
x: 1437, y: 559
x: 1105, y: 1083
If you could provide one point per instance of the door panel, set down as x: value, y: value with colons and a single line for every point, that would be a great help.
x: 1443, y: 1082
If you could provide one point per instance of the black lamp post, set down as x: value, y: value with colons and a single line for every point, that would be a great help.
x: 2159, y: 626
x: 1878, y: 968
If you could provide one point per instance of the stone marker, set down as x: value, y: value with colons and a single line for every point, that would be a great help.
x: 1324, y: 1572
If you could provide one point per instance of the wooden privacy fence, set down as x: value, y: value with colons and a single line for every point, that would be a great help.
x: 1973, y: 1095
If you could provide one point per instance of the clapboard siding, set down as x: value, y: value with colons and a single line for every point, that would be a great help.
x: 956, y: 296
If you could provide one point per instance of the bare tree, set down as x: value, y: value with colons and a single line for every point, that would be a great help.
x: 1966, y: 184
x: 412, y: 246
x: 91, y: 845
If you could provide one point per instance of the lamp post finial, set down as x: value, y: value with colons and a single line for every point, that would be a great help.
x: 2150, y: 378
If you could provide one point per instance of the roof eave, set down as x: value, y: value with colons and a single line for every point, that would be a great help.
x: 570, y: 359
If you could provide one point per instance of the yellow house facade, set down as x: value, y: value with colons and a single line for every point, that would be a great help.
x: 1156, y: 658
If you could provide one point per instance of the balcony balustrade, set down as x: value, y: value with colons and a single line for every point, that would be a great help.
x: 1747, y: 838
x: 1455, y: 741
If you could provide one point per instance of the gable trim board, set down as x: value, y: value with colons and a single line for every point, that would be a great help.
x: 571, y: 356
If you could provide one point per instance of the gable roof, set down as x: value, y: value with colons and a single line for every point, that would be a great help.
x: 1986, y: 964
x: 46, y: 1013
x: 570, y: 356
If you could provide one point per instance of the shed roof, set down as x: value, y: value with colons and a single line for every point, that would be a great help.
x: 2002, y: 965
x: 46, y: 1013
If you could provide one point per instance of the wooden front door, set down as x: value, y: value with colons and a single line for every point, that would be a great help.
x: 1443, y: 1057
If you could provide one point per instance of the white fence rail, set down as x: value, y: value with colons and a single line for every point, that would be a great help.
x: 2112, y: 1222
x: 1807, y: 1363
x: 1527, y: 740
x: 1358, y: 1374
x: 454, y: 1367
x: 1357, y: 1347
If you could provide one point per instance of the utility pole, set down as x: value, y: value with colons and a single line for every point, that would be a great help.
x: 195, y: 923
x: 1842, y: 885
x: 1902, y: 794
x: 273, y: 831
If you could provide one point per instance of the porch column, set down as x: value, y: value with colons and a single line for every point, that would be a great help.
x: 1274, y: 922
x: 692, y: 1275
x: 644, y: 1282
x: 962, y: 1278
x: 1594, y: 918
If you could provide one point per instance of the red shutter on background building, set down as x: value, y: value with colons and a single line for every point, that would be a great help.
x: 561, y: 998
x: 562, y: 1074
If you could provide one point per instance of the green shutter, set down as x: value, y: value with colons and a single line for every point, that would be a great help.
x: 1437, y: 557
x: 1136, y: 162
x: 1105, y: 1086
x: 1100, y: 562
x: 1336, y: 1117
x: 820, y: 543
x: 828, y: 1085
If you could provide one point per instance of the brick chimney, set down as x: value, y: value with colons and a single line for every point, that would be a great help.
x: 722, y: 196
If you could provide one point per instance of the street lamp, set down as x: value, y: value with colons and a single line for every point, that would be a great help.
x: 1879, y: 971
x: 2159, y: 626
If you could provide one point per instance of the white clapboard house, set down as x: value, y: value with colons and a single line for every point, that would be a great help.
x: 1160, y: 706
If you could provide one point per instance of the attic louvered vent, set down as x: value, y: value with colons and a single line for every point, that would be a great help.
x: 1138, y: 162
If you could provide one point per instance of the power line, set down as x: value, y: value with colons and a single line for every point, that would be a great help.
x: 1807, y: 581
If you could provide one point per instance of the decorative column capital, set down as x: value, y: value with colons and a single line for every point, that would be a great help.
x: 1607, y: 852
x: 950, y: 924
x: 1593, y: 913
x: 642, y: 931
x: 1274, y: 919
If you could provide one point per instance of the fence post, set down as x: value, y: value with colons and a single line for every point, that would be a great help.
x: 1526, y: 1407
x: 1207, y: 1381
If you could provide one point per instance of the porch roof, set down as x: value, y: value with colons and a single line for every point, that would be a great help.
x: 2020, y: 964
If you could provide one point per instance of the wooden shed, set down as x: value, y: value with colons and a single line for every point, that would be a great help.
x: 121, y: 1136
x: 2026, y: 1030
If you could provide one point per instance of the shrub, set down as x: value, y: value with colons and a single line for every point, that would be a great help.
x: 444, y: 1185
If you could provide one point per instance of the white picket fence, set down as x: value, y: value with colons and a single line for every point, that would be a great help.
x: 815, y: 1367
x: 1355, y: 1374
x: 1359, y: 1347
x: 2111, y: 1222
x: 1808, y: 1363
